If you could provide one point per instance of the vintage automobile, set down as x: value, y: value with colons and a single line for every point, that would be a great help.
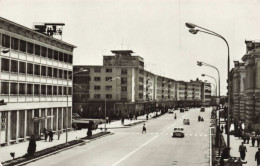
x: 186, y: 108
x: 186, y: 121
x: 170, y: 111
x: 181, y: 109
x: 178, y: 132
x: 202, y: 109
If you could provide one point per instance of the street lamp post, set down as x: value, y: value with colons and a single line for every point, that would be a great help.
x: 206, y: 64
x: 204, y: 30
x: 67, y: 110
x: 106, y: 103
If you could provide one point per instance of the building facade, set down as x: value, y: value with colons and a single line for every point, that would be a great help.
x: 121, y: 87
x: 35, y: 83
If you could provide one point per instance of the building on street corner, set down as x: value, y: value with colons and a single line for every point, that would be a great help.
x: 34, y: 76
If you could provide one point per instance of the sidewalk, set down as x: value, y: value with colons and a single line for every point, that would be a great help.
x: 20, y: 149
x: 234, y: 145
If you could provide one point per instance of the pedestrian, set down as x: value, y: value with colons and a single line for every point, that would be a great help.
x: 258, y: 140
x: 222, y: 128
x: 247, y: 137
x: 224, y: 155
x: 50, y: 135
x: 253, y: 139
x: 58, y: 133
x: 147, y: 117
x: 244, y: 137
x: 257, y: 157
x: 144, y: 129
x: 46, y: 135
x: 242, y: 150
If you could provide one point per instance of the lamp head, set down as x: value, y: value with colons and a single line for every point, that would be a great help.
x: 193, y: 31
x: 190, y: 25
x: 199, y: 63
x: 83, y: 70
x: 203, y: 75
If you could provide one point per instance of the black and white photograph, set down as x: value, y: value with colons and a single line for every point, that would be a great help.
x: 129, y: 83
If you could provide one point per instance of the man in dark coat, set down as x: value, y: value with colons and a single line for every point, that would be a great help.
x: 50, y: 135
x: 257, y: 157
x: 242, y: 150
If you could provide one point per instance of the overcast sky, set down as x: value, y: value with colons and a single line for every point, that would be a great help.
x: 153, y: 29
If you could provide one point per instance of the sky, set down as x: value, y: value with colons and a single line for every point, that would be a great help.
x: 153, y: 29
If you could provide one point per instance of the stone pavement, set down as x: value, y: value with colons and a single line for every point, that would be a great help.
x: 234, y: 145
x: 20, y: 149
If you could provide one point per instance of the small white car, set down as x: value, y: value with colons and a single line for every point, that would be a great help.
x: 186, y: 121
x: 178, y: 132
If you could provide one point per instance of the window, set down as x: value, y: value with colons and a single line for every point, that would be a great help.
x: 22, y: 67
x: 36, y: 89
x: 64, y: 90
x: 124, y: 88
x: 49, y: 90
x: 37, y: 70
x: 56, y: 55
x: 61, y: 56
x: 97, y: 78
x: 55, y: 92
x: 96, y: 87
x: 108, y: 78
x: 5, y: 88
x: 97, y: 70
x: 14, y: 44
x: 96, y: 96
x: 59, y: 90
x: 43, y: 89
x: 66, y: 59
x: 44, y: 52
x: 60, y: 73
x: 70, y: 59
x: 70, y: 91
x: 30, y: 48
x: 22, y: 46
x: 141, y: 87
x: 22, y: 88
x: 5, y: 64
x: 65, y: 74
x: 123, y: 71
x: 108, y: 87
x: 37, y: 49
x: 109, y: 96
x: 70, y: 75
x: 109, y: 70
x: 29, y: 68
x: 49, y: 70
x: 124, y: 80
x: 14, y: 66
x: 6, y: 41
x: 43, y: 71
x: 50, y: 53
x: 55, y: 72
x: 29, y: 89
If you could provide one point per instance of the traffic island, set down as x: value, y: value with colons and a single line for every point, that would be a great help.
x: 52, y: 150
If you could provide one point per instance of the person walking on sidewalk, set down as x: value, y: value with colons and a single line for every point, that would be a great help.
x: 258, y: 140
x: 46, y: 135
x: 50, y: 135
x: 253, y: 139
x: 247, y: 137
x: 244, y: 137
x: 144, y: 129
x: 257, y: 157
x: 242, y: 150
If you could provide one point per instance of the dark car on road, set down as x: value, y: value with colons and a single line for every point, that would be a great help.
x: 181, y: 109
x: 202, y: 109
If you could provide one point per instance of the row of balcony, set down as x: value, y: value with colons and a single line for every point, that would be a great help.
x: 33, y: 98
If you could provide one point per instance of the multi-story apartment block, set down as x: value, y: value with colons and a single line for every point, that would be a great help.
x: 122, y: 86
x: 35, y: 83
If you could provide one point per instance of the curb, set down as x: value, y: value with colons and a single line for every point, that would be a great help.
x: 135, y: 123
x: 81, y: 142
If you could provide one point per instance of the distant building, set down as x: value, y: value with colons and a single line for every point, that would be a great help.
x: 123, y: 87
x: 35, y: 71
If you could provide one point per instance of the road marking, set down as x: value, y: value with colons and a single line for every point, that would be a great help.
x: 140, y: 147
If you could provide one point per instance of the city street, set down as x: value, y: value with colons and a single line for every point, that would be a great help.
x: 128, y: 146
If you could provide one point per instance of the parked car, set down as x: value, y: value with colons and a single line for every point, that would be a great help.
x: 170, y: 111
x: 178, y: 132
x: 186, y: 121
x: 202, y: 109
x: 186, y: 108
x: 181, y: 109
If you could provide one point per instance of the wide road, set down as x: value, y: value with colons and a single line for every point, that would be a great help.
x: 129, y: 147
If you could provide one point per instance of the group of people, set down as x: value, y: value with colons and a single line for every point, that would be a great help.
x: 50, y: 134
x: 200, y: 118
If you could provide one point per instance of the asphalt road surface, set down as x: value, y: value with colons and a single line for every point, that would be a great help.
x: 129, y: 147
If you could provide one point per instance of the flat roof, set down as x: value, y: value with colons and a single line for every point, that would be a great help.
x: 122, y: 51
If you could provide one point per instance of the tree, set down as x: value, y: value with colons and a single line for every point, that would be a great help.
x: 32, y: 146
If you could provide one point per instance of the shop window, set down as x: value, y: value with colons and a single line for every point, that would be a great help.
x: 37, y: 70
x: 50, y: 53
x: 43, y: 89
x: 49, y: 90
x: 29, y: 89
x: 15, y: 43
x: 5, y: 88
x: 14, y: 66
x: 22, y: 88
x: 22, y: 46
x: 29, y: 68
x: 37, y: 49
x: 56, y: 55
x: 5, y: 64
x: 44, y: 52
x: 36, y: 89
x: 49, y: 69
x: 22, y: 67
x: 30, y: 48
x: 5, y: 41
